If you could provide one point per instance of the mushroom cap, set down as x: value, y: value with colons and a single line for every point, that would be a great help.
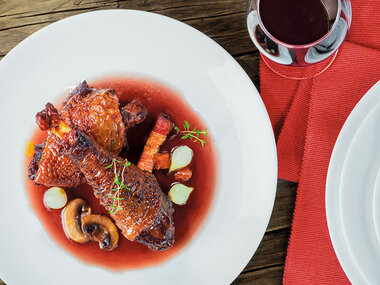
x: 101, y: 229
x: 72, y: 216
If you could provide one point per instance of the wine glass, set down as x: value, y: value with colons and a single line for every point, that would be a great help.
x: 289, y: 49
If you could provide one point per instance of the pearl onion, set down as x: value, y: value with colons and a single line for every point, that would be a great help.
x: 55, y: 198
x: 181, y: 157
x: 179, y: 193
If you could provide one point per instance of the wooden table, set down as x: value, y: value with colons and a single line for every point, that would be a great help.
x: 223, y: 21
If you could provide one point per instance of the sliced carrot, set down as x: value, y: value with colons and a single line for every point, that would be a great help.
x: 183, y: 174
x: 29, y: 150
x: 156, y: 138
x: 161, y: 161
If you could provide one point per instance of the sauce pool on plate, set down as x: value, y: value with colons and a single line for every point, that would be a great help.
x: 188, y: 218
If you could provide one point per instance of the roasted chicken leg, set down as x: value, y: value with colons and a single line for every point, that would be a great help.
x: 94, y: 112
x: 146, y: 213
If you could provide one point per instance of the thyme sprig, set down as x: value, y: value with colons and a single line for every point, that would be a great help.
x: 119, y: 182
x: 192, y: 134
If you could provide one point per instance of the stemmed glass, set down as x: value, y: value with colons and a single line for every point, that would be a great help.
x: 283, y: 58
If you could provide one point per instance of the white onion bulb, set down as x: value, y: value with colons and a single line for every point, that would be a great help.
x: 55, y: 198
x: 181, y: 157
x: 179, y: 193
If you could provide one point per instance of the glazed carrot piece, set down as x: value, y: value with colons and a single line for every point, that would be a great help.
x: 29, y: 149
x: 183, y: 174
x: 156, y: 138
x: 162, y: 161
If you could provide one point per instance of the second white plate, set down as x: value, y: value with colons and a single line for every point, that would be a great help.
x: 353, y: 192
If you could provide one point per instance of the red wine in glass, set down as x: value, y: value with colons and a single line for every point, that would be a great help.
x: 295, y: 22
x: 298, y: 33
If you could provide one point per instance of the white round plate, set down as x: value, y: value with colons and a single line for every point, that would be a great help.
x: 353, y: 192
x: 143, y: 44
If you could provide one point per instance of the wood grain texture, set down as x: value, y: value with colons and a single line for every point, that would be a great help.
x: 271, y: 251
x: 223, y: 21
x: 265, y: 276
x: 282, y: 214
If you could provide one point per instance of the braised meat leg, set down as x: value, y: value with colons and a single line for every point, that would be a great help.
x: 146, y: 213
x: 97, y: 114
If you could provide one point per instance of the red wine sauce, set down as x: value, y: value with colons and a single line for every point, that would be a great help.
x: 187, y: 218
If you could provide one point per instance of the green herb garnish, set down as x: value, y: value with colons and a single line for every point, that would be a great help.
x: 194, y: 134
x: 119, y: 182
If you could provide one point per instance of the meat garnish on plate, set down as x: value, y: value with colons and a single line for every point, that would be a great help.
x: 133, y: 113
x: 97, y: 114
x: 146, y: 213
x: 157, y: 137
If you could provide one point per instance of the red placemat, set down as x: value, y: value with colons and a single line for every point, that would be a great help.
x: 307, y: 116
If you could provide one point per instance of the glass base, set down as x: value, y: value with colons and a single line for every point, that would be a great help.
x: 299, y: 73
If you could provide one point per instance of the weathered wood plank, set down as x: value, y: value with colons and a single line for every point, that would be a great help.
x: 21, y: 18
x: 187, y: 10
x: 222, y: 20
x: 24, y: 12
x: 14, y: 9
x: 229, y: 31
x: 265, y: 276
x: 282, y: 214
x: 271, y: 252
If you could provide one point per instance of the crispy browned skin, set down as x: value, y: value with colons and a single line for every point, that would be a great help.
x: 97, y: 114
x: 144, y: 207
x: 33, y: 165
x: 50, y: 168
x: 147, y: 213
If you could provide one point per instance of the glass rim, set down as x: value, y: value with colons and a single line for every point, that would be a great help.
x: 293, y: 45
